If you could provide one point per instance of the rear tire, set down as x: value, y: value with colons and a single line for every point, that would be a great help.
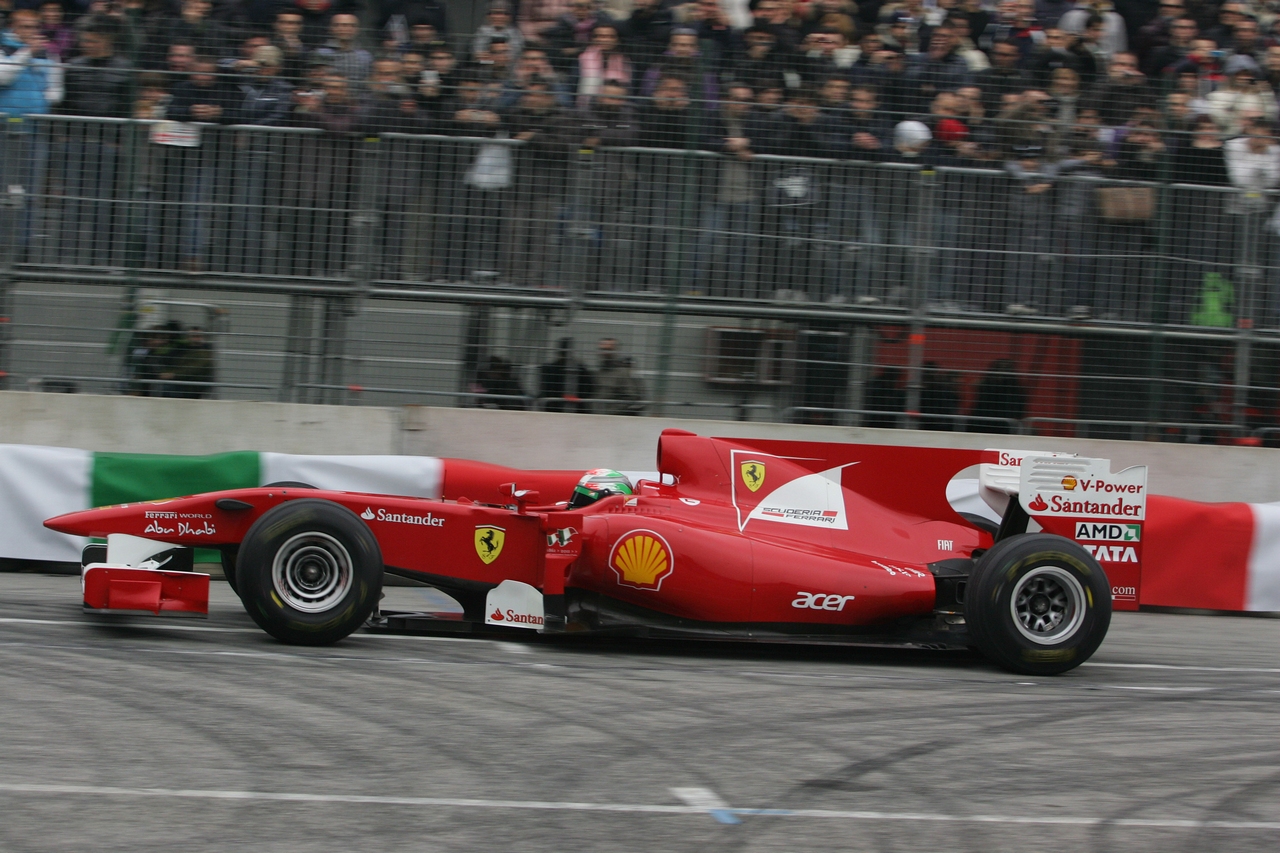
x: 1038, y: 604
x: 309, y: 572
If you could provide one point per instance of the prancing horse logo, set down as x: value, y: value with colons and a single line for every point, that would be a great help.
x: 753, y: 474
x: 489, y: 541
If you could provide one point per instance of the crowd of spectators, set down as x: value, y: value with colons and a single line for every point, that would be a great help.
x: 1182, y: 91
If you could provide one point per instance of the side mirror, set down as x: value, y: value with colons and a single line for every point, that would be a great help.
x: 522, y: 497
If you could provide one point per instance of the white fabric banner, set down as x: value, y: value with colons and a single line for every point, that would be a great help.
x: 412, y: 476
x: 38, y: 483
x: 1263, y: 591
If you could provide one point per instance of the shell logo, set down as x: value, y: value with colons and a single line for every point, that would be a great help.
x: 642, y: 560
x: 1069, y: 483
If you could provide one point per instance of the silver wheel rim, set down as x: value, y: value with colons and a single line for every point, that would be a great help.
x: 1048, y: 605
x: 312, y: 572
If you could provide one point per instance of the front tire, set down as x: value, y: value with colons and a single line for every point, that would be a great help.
x: 1038, y: 604
x: 309, y: 572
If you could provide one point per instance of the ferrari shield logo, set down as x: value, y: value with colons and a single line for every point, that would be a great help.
x: 489, y: 541
x: 753, y: 475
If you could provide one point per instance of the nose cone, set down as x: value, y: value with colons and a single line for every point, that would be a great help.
x: 93, y: 522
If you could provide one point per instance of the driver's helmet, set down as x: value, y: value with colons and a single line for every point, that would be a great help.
x: 597, y: 484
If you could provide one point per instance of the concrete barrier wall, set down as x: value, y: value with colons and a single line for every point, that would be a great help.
x: 544, y: 440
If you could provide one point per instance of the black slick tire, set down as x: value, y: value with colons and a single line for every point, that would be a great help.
x: 309, y: 572
x: 1038, y: 604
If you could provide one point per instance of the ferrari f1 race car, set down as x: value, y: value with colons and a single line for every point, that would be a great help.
x: 732, y: 539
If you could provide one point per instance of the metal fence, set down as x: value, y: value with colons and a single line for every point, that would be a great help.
x: 471, y: 271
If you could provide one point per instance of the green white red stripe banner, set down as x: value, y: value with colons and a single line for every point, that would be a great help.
x: 40, y: 482
x: 1196, y: 555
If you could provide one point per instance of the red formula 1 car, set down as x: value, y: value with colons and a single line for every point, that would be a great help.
x: 736, y: 539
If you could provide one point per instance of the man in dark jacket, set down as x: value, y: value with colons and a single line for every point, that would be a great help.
x: 1004, y: 77
x: 98, y: 83
x: 206, y: 99
x: 942, y: 69
x: 606, y: 219
x: 572, y: 34
x: 193, y: 27
x: 541, y: 174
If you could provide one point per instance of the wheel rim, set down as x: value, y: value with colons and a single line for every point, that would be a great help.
x: 312, y: 572
x: 1048, y: 605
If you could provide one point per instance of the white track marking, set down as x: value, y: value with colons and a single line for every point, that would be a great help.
x: 1187, y: 668
x: 20, y: 788
x: 707, y: 800
x: 168, y: 626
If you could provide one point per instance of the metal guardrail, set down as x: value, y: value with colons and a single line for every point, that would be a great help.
x: 347, y: 238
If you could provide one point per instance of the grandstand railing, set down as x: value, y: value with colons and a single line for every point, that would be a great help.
x: 1160, y: 301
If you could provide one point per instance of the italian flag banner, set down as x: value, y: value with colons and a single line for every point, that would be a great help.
x: 40, y: 482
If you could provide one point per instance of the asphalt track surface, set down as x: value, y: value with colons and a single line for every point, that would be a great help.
x: 151, y: 735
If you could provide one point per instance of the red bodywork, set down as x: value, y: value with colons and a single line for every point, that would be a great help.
x: 739, y: 532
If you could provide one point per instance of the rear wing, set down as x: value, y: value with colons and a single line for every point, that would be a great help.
x: 1078, y: 498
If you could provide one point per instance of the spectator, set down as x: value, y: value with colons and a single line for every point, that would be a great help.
x: 192, y: 366
x: 179, y: 61
x: 152, y: 102
x: 1055, y: 53
x: 941, y: 69
x: 621, y: 393
x: 243, y: 62
x: 1243, y: 97
x: 496, y: 63
x: 1202, y: 229
x: 609, y: 122
x: 393, y: 107
x: 1123, y: 92
x: 1004, y: 77
x: 432, y: 13
x: 1163, y: 60
x: 193, y: 27
x: 422, y: 38
x: 1096, y: 23
x: 1158, y: 31
x: 541, y: 174
x: 498, y: 385
x: 438, y: 84
x: 716, y: 34
x: 1253, y: 165
x: 1000, y: 398
x: 1030, y: 220
x: 205, y: 98
x: 604, y: 60
x: 666, y: 120
x: 760, y: 65
x: 61, y: 38
x: 725, y: 253
x: 565, y: 384
x: 939, y: 398
x: 646, y: 33
x: 684, y: 62
x: 870, y: 140
x: 1230, y: 14
x: 498, y: 24
x: 342, y: 53
x: 265, y: 99
x: 884, y: 393
x: 30, y: 81
x: 334, y: 110
x: 777, y: 17
x: 533, y: 63
x: 483, y: 174
x: 797, y: 218
x: 98, y: 82
x: 571, y: 34
x: 315, y: 16
x: 287, y: 39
